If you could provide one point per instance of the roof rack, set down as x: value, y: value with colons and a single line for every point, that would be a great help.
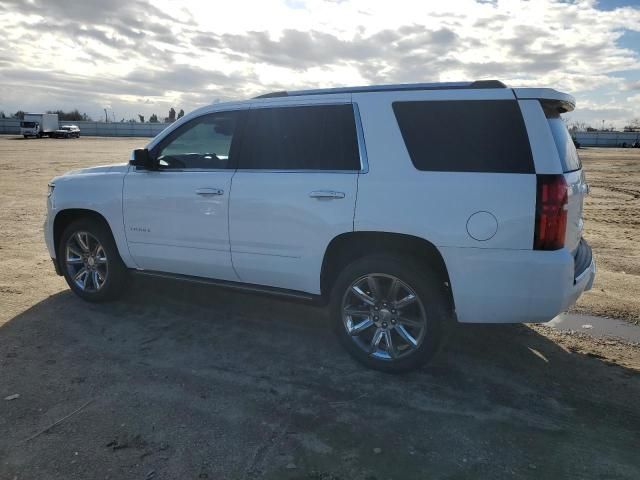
x: 386, y: 88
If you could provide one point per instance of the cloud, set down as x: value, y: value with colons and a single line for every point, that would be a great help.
x: 633, y: 85
x: 143, y: 55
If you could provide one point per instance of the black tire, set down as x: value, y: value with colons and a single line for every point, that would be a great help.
x: 431, y: 299
x: 115, y: 275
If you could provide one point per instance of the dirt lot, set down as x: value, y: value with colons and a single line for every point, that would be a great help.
x: 203, y: 383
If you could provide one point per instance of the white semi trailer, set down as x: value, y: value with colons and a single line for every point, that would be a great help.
x: 39, y: 124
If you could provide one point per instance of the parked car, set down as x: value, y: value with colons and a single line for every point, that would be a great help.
x: 403, y: 208
x: 67, y: 131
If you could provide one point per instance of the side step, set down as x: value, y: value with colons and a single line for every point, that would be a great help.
x: 246, y: 287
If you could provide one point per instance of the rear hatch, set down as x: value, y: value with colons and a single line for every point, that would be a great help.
x: 573, y: 175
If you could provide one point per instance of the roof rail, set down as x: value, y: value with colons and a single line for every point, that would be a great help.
x: 389, y: 88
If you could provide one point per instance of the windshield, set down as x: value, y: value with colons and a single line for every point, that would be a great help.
x: 27, y: 124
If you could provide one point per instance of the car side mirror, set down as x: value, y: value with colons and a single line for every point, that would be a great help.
x: 142, y: 159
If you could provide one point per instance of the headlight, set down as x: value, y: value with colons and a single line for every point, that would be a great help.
x: 51, y: 187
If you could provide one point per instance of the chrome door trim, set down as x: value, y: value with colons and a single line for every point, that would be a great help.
x: 330, y: 194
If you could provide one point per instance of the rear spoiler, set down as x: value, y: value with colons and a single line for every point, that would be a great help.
x: 550, y: 98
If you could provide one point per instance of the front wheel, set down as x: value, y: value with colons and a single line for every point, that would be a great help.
x: 388, y: 314
x: 90, y: 261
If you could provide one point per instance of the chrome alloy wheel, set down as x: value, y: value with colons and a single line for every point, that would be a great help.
x: 384, y: 316
x: 86, y: 261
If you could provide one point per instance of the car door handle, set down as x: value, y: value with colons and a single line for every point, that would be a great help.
x: 208, y: 192
x: 326, y: 194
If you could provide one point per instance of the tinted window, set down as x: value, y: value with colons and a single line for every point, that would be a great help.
x: 564, y: 144
x: 465, y: 136
x: 203, y: 143
x: 301, y: 138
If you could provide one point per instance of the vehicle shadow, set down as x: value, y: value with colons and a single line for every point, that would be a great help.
x: 189, y: 381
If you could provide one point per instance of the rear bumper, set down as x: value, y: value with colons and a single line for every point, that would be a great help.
x: 514, y: 286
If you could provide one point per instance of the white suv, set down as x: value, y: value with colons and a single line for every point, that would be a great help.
x: 404, y: 207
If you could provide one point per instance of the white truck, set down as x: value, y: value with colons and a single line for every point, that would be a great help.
x: 39, y: 124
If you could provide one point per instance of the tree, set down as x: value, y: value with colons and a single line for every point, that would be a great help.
x: 181, y: 113
x: 19, y: 114
x: 71, y: 116
x: 172, y: 115
x: 153, y: 118
x: 141, y: 117
x: 2, y: 115
x: 578, y: 127
x: 633, y: 126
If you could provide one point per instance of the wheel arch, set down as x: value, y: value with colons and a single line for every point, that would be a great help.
x: 350, y: 246
x: 65, y: 217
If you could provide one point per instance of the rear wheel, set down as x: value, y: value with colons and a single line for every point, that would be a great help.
x: 90, y: 261
x: 388, y: 314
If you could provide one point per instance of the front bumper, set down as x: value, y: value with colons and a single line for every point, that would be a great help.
x: 48, y: 228
x: 56, y: 267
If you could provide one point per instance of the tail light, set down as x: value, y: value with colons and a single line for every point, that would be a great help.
x: 552, y: 199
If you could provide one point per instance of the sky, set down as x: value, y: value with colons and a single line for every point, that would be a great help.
x: 142, y: 57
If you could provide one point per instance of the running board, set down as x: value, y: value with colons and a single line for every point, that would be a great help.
x: 246, y: 287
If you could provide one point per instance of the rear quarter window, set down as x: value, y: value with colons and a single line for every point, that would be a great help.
x: 564, y: 143
x: 465, y: 136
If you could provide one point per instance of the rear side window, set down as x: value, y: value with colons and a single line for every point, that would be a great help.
x: 319, y: 137
x: 564, y: 143
x: 465, y: 136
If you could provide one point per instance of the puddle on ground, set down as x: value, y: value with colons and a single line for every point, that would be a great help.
x: 596, y: 326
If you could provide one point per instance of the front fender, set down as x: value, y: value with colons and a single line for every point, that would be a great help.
x: 100, y: 193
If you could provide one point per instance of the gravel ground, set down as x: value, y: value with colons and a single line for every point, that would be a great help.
x: 197, y: 382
